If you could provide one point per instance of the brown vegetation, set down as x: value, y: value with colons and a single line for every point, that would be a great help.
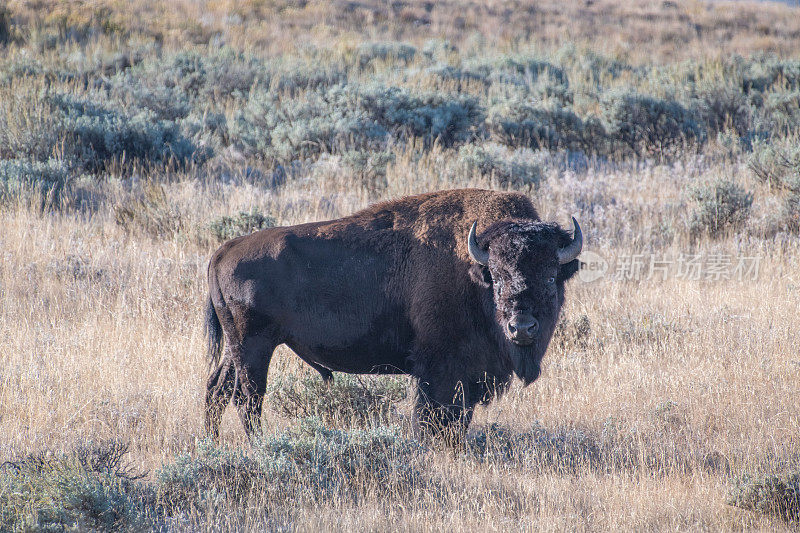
x: 655, y: 396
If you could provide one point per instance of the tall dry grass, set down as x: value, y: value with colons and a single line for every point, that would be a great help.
x: 696, y: 381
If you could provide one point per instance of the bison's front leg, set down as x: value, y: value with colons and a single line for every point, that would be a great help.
x: 443, y: 409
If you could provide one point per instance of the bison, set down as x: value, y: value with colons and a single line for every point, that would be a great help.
x: 461, y: 289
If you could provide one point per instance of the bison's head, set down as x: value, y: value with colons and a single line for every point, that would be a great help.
x: 525, y: 264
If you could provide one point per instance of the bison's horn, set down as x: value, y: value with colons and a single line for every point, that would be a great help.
x: 571, y: 251
x: 478, y: 254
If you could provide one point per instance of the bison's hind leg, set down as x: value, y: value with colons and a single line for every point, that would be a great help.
x: 219, y: 390
x: 251, y: 359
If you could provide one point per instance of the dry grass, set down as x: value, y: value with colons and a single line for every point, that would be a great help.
x: 674, y: 389
x: 638, y: 30
x: 102, y: 339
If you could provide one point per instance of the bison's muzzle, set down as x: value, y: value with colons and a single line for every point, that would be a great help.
x: 522, y: 330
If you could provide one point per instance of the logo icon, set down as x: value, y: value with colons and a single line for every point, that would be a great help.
x: 593, y: 267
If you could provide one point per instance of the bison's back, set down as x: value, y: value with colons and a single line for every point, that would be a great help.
x: 438, y: 220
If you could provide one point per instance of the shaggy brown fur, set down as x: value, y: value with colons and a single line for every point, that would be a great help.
x: 389, y: 289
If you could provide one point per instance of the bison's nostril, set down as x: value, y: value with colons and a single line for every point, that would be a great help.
x: 523, y: 328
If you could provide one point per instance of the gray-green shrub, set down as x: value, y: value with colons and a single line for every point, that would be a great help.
x: 775, y: 495
x: 720, y: 206
x: 227, y: 227
x: 446, y: 118
x: 518, y: 69
x: 351, y: 117
x: 647, y: 125
x: 19, y: 177
x: 275, y: 128
x: 386, y: 50
x: 87, y: 488
x: 349, y: 399
x: 308, y: 461
x: 5, y: 25
x: 764, y: 72
x: 723, y: 108
x: 98, y: 135
x: 790, y: 212
x: 777, y: 165
x: 782, y: 111
x: 521, y: 166
x: 523, y: 123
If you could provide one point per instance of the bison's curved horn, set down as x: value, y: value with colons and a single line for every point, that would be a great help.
x: 571, y: 251
x: 478, y: 254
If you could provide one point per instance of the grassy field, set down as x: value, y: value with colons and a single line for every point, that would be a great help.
x: 134, y: 140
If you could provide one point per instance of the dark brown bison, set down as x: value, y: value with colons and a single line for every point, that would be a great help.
x: 459, y: 289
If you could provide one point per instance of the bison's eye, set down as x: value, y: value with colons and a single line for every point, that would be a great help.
x: 551, y: 280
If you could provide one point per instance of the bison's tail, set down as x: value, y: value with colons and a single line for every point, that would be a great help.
x: 213, y: 334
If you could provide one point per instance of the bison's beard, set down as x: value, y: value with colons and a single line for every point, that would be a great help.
x: 526, y: 361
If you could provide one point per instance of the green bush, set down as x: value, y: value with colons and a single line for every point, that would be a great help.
x: 206, y: 76
x: 533, y: 449
x: 646, y: 125
x: 719, y: 206
x: 547, y: 87
x: 292, y: 76
x: 166, y: 103
x: 762, y: 73
x: 596, y: 68
x: 444, y: 71
x: 350, y: 117
x: 782, y: 112
x: 777, y: 165
x: 89, y: 488
x: 774, y: 495
x: 305, y: 462
x: 243, y: 223
x: 19, y: 68
x: 446, y: 118
x: 521, y: 123
x: 97, y: 135
x: 438, y: 48
x: 288, y: 129
x: 384, y: 51
x: 212, y: 78
x: 349, y: 399
x: 20, y: 177
x: 206, y: 480
x: 345, y: 460
x: 723, y: 109
x: 515, y: 69
x: 659, y: 449
x: 5, y: 25
x: 509, y: 167
x: 790, y: 213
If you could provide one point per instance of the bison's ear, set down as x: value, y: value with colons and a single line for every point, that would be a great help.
x: 568, y: 270
x: 480, y: 275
